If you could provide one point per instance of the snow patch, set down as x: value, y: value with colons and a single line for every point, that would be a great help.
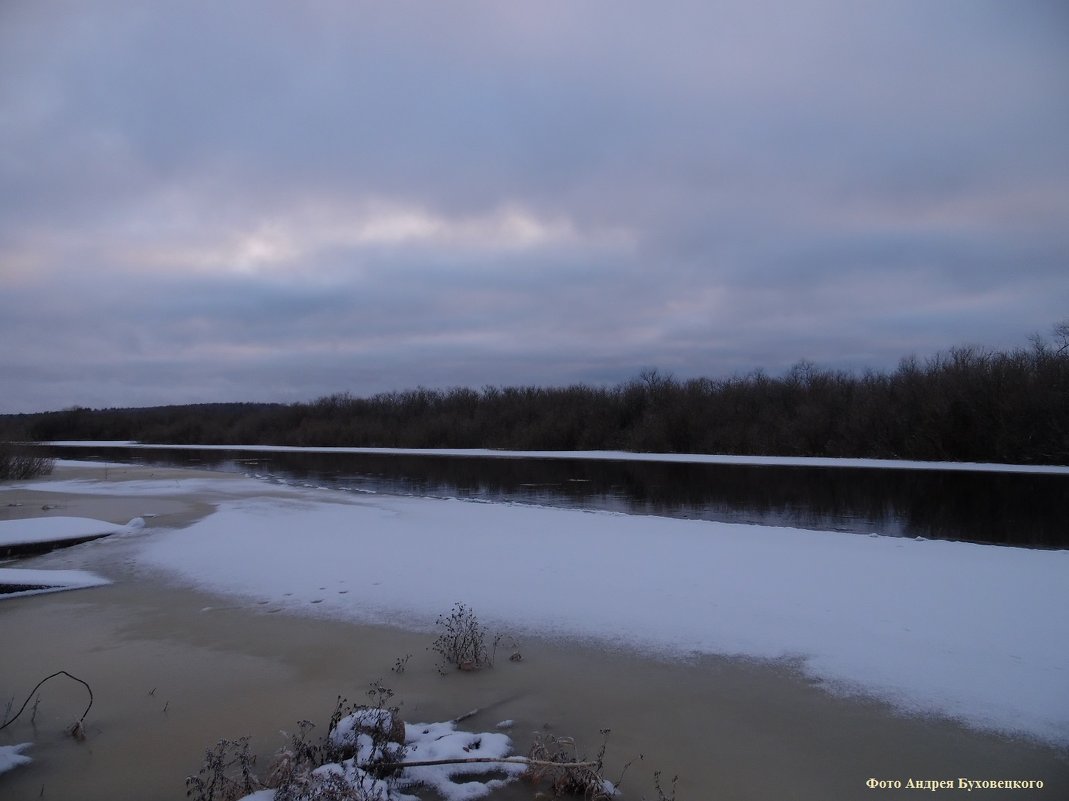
x: 18, y: 582
x: 11, y: 756
x: 461, y: 780
x: 57, y: 529
x: 431, y: 741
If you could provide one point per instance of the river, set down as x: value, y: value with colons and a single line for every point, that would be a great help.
x: 971, y: 505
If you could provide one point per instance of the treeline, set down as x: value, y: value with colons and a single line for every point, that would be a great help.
x: 968, y: 404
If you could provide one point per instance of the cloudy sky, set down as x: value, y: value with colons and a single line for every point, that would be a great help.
x: 266, y: 200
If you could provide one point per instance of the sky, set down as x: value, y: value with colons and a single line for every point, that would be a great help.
x: 275, y: 201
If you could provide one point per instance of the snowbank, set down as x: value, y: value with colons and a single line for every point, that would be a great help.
x: 970, y: 631
x: 59, y: 529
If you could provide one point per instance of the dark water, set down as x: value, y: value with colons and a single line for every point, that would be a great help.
x: 999, y: 508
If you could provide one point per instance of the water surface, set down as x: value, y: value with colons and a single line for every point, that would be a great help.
x: 1022, y: 509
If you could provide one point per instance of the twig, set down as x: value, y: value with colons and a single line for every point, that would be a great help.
x: 473, y: 712
x: 469, y: 714
x: 509, y: 760
x: 42, y: 681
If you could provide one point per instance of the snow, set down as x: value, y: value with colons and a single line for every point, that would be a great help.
x: 969, y: 631
x: 46, y: 581
x: 345, y: 733
x: 974, y: 632
x: 430, y: 741
x: 423, y: 742
x: 54, y: 529
x: 57, y: 529
x: 619, y: 456
x: 146, y: 486
x: 11, y: 756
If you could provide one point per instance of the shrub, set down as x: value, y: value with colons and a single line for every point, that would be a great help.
x: 462, y: 642
x: 19, y: 462
x: 555, y: 762
x: 226, y: 774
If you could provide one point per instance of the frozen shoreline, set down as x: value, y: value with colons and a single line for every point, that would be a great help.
x: 682, y: 458
x: 748, y: 729
x: 946, y: 628
x: 967, y: 631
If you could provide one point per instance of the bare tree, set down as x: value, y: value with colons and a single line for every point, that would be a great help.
x: 1061, y: 334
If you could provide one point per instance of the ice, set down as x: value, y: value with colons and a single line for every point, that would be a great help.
x: 965, y: 630
x: 11, y: 756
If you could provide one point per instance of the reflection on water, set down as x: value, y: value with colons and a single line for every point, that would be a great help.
x: 1001, y: 508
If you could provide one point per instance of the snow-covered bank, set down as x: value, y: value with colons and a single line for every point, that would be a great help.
x: 688, y: 458
x: 970, y: 631
x: 57, y: 530
x: 23, y: 535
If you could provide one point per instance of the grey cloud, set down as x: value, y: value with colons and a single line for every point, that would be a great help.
x: 843, y: 182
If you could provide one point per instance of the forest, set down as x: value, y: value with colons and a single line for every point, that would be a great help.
x: 965, y: 404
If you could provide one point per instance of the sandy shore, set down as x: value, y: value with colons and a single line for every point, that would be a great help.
x: 174, y: 669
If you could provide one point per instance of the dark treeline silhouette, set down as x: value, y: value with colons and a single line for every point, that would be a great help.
x: 967, y: 404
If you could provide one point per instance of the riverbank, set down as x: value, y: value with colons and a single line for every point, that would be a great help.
x: 175, y: 668
x: 117, y: 494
